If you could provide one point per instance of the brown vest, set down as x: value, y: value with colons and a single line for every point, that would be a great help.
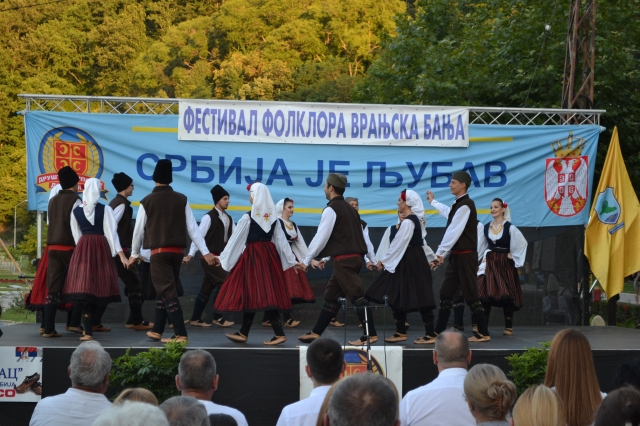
x: 166, y: 219
x: 469, y: 238
x: 346, y: 237
x: 215, y: 235
x: 59, y: 213
x: 125, y: 228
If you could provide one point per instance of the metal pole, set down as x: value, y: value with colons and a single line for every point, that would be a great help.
x: 39, y: 221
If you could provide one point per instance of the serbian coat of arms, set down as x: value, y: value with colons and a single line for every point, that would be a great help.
x: 566, y: 177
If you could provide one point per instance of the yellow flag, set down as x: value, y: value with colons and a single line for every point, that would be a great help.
x: 612, y: 238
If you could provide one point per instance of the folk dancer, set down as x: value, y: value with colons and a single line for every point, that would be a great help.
x: 461, y: 242
x: 93, y: 278
x: 123, y: 213
x: 340, y: 236
x: 502, y: 249
x: 60, y: 243
x: 216, y: 226
x: 256, y: 256
x: 159, y: 220
x: 299, y: 289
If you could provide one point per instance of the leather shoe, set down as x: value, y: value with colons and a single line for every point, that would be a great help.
x: 52, y: 334
x: 398, y: 337
x: 291, y: 323
x: 477, y: 337
x: 27, y: 383
x: 275, y: 340
x: 363, y: 341
x: 128, y: 326
x: 334, y: 322
x: 222, y: 323
x: 41, y: 330
x: 199, y: 323
x: 144, y: 325
x: 237, y: 337
x: 266, y: 324
x: 508, y: 332
x: 74, y: 329
x: 154, y: 336
x: 37, y: 388
x: 174, y: 338
x: 309, y: 337
x: 86, y: 337
x: 100, y: 328
x: 425, y: 340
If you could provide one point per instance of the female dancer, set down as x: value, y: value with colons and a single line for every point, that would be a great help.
x: 256, y: 256
x: 503, y: 249
x: 299, y: 288
x: 93, y: 277
x: 406, y: 279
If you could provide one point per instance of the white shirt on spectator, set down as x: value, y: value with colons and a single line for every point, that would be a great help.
x: 213, y: 408
x: 440, y: 402
x: 305, y: 412
x: 74, y: 407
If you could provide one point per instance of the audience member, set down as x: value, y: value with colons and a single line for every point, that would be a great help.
x: 538, y: 406
x: 324, y: 409
x: 137, y: 395
x: 222, y: 420
x: 197, y: 378
x: 620, y: 408
x: 84, y: 401
x: 435, y: 402
x: 325, y: 365
x: 185, y: 411
x: 570, y: 371
x: 132, y: 413
x: 628, y: 374
x: 489, y: 395
x: 364, y: 399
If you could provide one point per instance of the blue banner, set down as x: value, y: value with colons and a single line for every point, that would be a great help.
x: 544, y: 173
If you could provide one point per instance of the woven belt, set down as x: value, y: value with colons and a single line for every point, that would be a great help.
x: 60, y: 247
x: 345, y: 256
x: 461, y: 251
x: 167, y: 250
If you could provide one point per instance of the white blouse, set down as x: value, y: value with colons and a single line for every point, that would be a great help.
x: 383, y: 248
x: 232, y: 252
x: 297, y: 244
x: 398, y: 246
x: 517, y: 248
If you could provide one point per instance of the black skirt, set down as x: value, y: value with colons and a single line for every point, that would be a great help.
x: 410, y: 287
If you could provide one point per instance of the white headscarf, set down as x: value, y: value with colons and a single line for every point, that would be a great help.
x: 90, y: 197
x: 507, y: 214
x: 414, y: 201
x: 54, y: 191
x: 262, y: 211
x: 280, y: 208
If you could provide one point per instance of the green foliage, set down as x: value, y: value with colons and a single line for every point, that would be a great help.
x: 529, y: 367
x: 154, y: 370
x: 627, y: 315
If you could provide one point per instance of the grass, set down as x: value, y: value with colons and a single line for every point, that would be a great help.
x: 13, y: 314
x: 628, y: 287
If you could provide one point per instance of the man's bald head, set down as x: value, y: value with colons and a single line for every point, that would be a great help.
x: 452, y: 349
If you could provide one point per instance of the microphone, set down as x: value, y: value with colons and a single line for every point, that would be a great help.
x: 342, y: 300
x: 386, y: 300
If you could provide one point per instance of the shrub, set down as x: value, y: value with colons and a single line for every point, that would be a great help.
x: 529, y: 367
x: 626, y: 315
x: 154, y: 370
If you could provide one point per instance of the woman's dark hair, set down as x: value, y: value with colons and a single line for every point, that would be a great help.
x: 287, y: 200
x: 222, y: 420
x: 498, y: 200
x: 620, y: 408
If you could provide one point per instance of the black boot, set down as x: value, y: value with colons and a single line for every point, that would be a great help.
x: 328, y: 312
x: 160, y: 318
x: 477, y: 315
x: 443, y: 314
x: 199, y: 305
x: 174, y: 312
x: 50, y: 309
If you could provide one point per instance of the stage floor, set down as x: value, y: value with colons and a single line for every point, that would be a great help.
x: 600, y: 338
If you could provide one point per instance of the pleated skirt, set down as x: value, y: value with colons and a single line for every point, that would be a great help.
x: 500, y: 284
x: 92, y: 276
x: 256, y: 283
x: 299, y: 289
x: 410, y: 287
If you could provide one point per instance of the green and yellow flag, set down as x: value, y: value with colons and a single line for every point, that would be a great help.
x: 612, y: 238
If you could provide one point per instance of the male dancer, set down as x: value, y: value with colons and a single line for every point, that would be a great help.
x: 158, y: 222
x: 340, y: 236
x: 60, y: 242
x: 216, y: 226
x: 123, y: 213
x: 461, y: 239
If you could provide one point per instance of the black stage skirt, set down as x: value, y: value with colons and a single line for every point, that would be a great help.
x: 409, y: 287
x: 500, y: 285
x: 92, y: 276
x: 256, y: 283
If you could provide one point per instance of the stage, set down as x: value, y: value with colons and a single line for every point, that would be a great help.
x: 260, y: 380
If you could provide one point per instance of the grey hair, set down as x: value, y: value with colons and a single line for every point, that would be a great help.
x: 364, y: 399
x: 132, y: 413
x: 452, y: 347
x: 185, y: 411
x: 89, y: 365
x: 196, y: 370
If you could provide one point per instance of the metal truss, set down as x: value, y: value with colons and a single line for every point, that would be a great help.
x: 163, y: 106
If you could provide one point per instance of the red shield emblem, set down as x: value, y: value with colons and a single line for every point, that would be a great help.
x: 73, y: 154
x: 566, y: 185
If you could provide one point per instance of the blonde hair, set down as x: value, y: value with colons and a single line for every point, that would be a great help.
x: 571, y: 371
x: 539, y: 406
x: 488, y: 390
x: 136, y: 395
